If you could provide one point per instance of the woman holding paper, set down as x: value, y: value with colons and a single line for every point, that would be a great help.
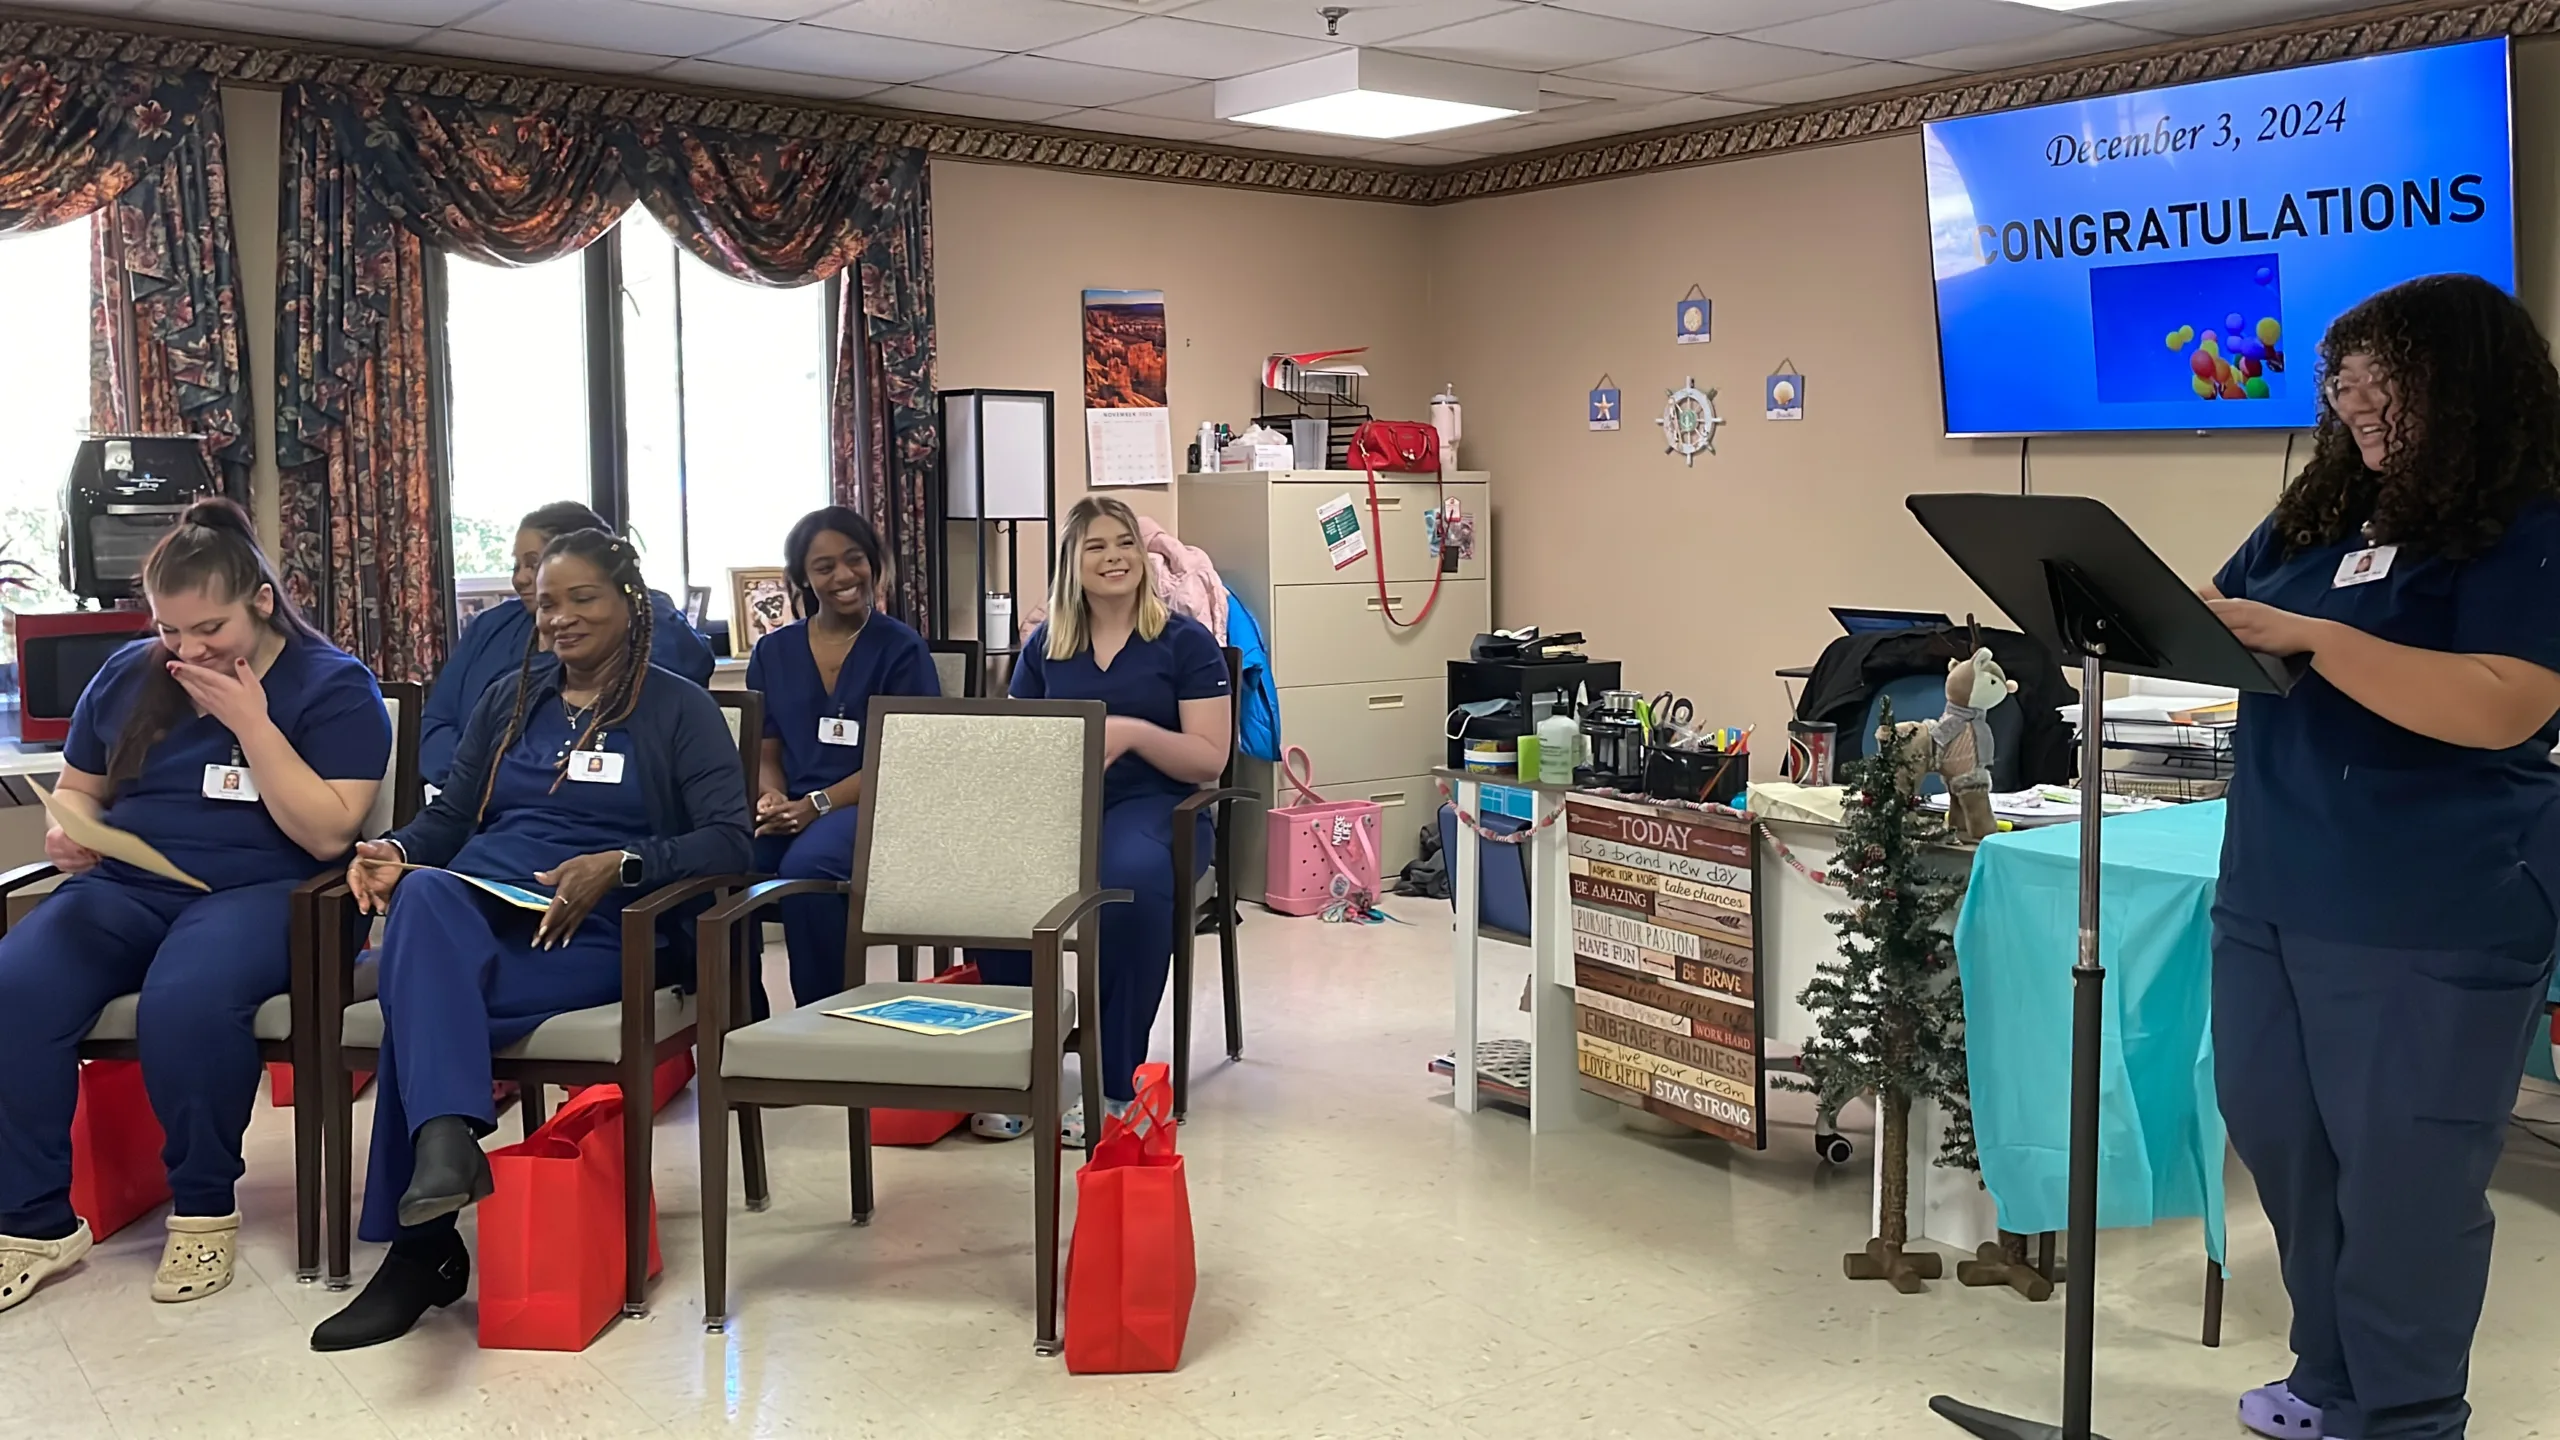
x: 245, y: 749
x: 2383, y: 930
x: 597, y: 777
x: 817, y: 677
x: 491, y: 646
x: 1164, y: 680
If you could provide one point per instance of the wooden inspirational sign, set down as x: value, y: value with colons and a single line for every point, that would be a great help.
x: 1666, y: 963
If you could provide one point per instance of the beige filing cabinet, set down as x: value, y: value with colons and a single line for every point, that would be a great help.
x: 1367, y: 700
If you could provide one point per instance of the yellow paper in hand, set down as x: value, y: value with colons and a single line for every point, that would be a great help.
x: 111, y: 842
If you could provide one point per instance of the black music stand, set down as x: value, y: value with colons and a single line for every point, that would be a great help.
x: 2070, y: 573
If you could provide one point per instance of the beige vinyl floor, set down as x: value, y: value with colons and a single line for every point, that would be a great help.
x: 1371, y: 1264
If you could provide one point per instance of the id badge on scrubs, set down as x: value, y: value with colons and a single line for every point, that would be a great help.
x: 2363, y: 567
x: 837, y: 730
x: 595, y: 767
x: 230, y: 782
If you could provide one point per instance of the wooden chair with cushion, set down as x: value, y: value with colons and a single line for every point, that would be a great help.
x: 981, y: 826
x: 618, y: 1044
x: 284, y: 1026
x: 1212, y: 893
x: 961, y: 667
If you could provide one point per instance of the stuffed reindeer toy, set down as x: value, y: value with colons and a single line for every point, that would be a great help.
x: 1957, y: 745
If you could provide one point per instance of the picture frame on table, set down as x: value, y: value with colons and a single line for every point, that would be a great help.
x: 697, y: 606
x: 759, y: 604
x: 475, y: 593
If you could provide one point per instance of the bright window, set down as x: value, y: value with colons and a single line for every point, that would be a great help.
x: 44, y: 397
x: 725, y: 394
x: 516, y: 352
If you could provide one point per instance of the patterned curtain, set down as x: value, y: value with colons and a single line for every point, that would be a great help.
x: 141, y: 150
x: 371, y: 181
x: 789, y: 212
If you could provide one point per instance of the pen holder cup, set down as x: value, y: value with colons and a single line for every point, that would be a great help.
x: 1712, y: 776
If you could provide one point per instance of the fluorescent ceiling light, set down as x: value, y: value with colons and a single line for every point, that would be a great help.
x: 1374, y: 95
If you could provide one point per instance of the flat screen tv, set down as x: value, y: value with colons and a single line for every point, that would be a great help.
x: 2168, y: 260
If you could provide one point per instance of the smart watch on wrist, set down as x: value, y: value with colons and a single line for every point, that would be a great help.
x: 821, y: 801
x: 630, y: 870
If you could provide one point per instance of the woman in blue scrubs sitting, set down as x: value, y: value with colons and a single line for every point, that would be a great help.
x: 2383, y: 931
x: 597, y: 779
x: 492, y: 646
x: 246, y: 749
x: 817, y: 677
x: 1164, y: 679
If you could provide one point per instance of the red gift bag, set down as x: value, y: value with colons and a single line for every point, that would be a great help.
x: 923, y: 1127
x: 116, y: 1174
x: 551, y: 1263
x: 666, y: 1083
x: 1131, y: 1272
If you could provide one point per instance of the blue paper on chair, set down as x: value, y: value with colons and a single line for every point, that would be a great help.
x: 923, y: 1015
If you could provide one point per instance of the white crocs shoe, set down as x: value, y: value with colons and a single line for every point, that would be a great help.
x: 26, y: 1264
x: 988, y: 1125
x: 198, y: 1258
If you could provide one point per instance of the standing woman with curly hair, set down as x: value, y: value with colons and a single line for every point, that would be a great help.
x: 2383, y: 932
x: 597, y: 776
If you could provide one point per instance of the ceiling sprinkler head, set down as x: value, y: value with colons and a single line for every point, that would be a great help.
x: 1333, y: 17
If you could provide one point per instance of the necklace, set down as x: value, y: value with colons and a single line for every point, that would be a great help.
x: 577, y: 716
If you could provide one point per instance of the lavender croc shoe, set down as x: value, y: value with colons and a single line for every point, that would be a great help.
x: 2272, y: 1411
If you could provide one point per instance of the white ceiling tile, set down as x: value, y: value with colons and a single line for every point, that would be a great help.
x: 754, y: 81
x: 1476, y: 139
x: 1719, y: 64
x: 1864, y: 79
x: 983, y: 24
x: 843, y: 55
x: 1899, y: 29
x: 2089, y: 37
x: 1714, y: 17
x: 633, y: 26
x: 1036, y: 77
x: 2227, y: 15
x: 1196, y: 103
x: 1538, y: 38
x: 758, y: 9
x: 1146, y: 127
x: 1164, y: 45
x: 537, y: 52
x: 299, y: 24
x: 1691, y: 110
x: 1562, y: 92
x: 1135, y: 7
x: 976, y: 107
x: 1366, y: 24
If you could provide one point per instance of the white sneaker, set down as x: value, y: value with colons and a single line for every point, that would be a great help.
x: 989, y: 1125
x: 198, y: 1258
x: 26, y: 1264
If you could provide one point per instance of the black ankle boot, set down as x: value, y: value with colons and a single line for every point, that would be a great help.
x: 450, y: 1172
x: 417, y: 1276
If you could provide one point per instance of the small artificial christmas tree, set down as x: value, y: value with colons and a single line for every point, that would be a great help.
x: 1890, y: 1012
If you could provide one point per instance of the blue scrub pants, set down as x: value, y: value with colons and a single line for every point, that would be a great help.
x: 2368, y: 1090
x: 1136, y: 950
x: 461, y: 981
x: 813, y: 926
x: 203, y: 964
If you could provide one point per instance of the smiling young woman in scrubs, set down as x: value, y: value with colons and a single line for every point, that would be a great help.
x: 1110, y: 638
x: 246, y: 749
x: 596, y: 777
x: 2383, y: 933
x: 492, y: 646
x: 817, y: 677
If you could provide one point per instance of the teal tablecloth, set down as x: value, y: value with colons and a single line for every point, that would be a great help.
x: 2161, y: 1137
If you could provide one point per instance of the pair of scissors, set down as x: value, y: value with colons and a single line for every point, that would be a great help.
x: 1672, y: 710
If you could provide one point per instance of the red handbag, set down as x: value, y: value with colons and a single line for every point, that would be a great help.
x: 1406, y: 447
x: 1131, y: 1270
x: 116, y: 1173
x: 551, y: 1261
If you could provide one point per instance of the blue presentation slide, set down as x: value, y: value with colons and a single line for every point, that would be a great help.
x: 2168, y: 260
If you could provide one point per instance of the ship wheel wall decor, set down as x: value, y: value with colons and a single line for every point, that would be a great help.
x: 1689, y: 421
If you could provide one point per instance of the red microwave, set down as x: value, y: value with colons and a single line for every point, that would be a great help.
x: 58, y: 655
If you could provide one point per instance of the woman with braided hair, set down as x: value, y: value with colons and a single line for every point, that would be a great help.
x: 596, y: 776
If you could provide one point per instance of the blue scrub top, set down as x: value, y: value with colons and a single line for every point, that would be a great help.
x: 322, y: 698
x: 537, y: 818
x: 888, y: 658
x: 2347, y: 827
x: 490, y: 649
x: 1148, y: 680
